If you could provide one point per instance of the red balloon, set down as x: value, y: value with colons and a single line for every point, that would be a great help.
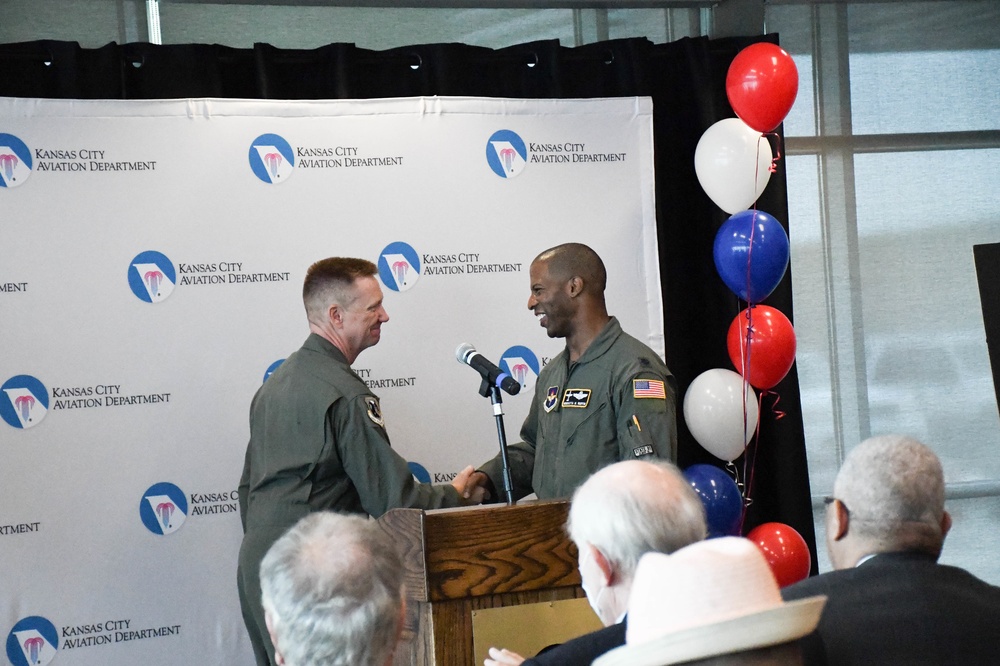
x: 769, y: 355
x: 785, y: 550
x: 761, y: 85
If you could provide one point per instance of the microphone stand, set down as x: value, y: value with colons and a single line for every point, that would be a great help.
x: 493, y: 392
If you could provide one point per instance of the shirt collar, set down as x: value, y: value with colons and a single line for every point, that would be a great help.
x: 602, y: 343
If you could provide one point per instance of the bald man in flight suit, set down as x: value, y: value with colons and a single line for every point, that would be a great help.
x: 606, y: 397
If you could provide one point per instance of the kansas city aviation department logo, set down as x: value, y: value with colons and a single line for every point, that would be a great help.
x: 506, y: 154
x: 521, y: 364
x: 271, y: 368
x: 151, y: 276
x: 398, y: 266
x: 32, y: 642
x: 419, y: 472
x: 271, y: 159
x: 15, y: 161
x: 163, y: 508
x: 24, y: 401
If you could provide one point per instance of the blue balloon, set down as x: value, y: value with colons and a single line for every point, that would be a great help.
x: 721, y: 498
x: 751, y: 237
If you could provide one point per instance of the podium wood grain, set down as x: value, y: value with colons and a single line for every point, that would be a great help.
x: 460, y: 560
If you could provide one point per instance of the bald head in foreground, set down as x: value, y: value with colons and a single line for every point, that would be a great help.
x: 890, y: 602
x: 619, y: 514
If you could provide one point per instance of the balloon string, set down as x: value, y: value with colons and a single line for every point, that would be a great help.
x: 778, y: 413
x: 750, y: 468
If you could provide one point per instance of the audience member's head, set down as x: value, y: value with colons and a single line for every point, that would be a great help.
x: 713, y: 602
x: 622, y: 512
x: 888, y: 497
x: 333, y: 593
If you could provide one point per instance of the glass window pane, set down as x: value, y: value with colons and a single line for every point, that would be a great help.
x: 370, y: 28
x: 657, y: 25
x: 971, y: 543
x: 919, y: 214
x: 934, y: 71
x: 792, y: 23
x: 92, y: 23
x: 810, y: 320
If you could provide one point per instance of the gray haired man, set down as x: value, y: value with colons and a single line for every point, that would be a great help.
x: 890, y: 602
x: 620, y: 513
x: 332, y: 589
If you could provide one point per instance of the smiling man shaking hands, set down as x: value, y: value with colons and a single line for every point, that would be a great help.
x: 606, y: 397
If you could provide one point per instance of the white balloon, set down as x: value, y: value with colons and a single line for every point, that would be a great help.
x: 732, y: 161
x: 713, y: 411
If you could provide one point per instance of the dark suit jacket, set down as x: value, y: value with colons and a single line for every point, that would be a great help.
x: 583, y: 650
x: 904, y: 608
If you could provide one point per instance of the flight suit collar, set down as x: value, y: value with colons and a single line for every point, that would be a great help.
x: 318, y: 343
x: 601, y: 344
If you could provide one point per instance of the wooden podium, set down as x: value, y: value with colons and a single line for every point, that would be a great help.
x: 462, y: 560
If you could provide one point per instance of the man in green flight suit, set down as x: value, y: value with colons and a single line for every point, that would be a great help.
x: 606, y: 397
x: 317, y: 435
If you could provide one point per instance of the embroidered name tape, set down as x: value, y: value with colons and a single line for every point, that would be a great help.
x: 579, y: 398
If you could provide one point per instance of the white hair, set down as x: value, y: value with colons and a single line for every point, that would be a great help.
x: 893, y: 489
x: 333, y: 588
x: 634, y: 507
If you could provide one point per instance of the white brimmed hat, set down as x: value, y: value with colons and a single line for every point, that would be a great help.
x: 708, y: 599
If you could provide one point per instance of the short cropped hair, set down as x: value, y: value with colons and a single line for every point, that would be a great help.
x: 576, y: 259
x: 893, y: 488
x: 333, y: 588
x: 634, y: 507
x: 329, y: 281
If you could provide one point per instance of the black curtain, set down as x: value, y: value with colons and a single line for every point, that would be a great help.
x: 686, y: 81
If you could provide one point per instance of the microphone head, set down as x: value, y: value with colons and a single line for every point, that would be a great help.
x: 463, y: 351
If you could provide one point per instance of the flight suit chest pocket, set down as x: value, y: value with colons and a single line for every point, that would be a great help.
x: 592, y: 427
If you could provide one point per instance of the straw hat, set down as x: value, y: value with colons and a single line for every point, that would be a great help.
x: 708, y: 599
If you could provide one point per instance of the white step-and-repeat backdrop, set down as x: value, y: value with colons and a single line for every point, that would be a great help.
x: 151, y: 264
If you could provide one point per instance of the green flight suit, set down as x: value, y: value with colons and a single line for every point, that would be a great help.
x: 616, y: 402
x: 317, y: 442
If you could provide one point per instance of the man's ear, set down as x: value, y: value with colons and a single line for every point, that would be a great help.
x: 841, y: 520
x: 279, y: 659
x: 335, y: 315
x: 575, y: 286
x: 945, y: 524
x: 603, y: 563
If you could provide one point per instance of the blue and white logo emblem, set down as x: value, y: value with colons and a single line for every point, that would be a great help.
x: 15, y: 161
x: 521, y: 364
x: 271, y: 158
x: 419, y: 472
x: 163, y: 508
x: 24, y: 401
x: 271, y: 368
x: 506, y: 154
x: 151, y: 276
x: 32, y: 642
x: 399, y: 266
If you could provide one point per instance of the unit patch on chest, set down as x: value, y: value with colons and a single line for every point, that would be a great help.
x: 551, y: 398
x: 576, y: 398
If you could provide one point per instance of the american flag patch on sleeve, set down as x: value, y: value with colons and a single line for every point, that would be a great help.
x: 648, y: 388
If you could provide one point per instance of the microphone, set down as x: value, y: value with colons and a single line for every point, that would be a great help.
x: 491, y: 374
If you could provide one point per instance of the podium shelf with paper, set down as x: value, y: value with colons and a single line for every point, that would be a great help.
x: 474, y: 558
